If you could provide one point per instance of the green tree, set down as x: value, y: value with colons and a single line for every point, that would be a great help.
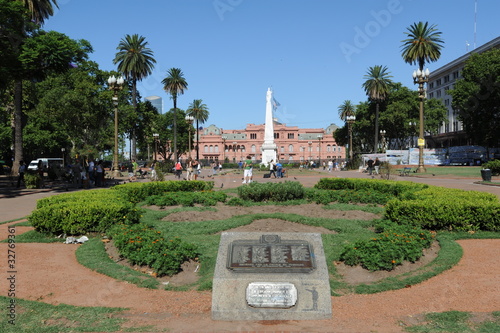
x: 175, y: 84
x: 199, y: 111
x: 74, y: 111
x: 476, y: 97
x: 135, y: 60
x: 377, y: 87
x: 163, y: 126
x: 346, y: 109
x: 36, y: 11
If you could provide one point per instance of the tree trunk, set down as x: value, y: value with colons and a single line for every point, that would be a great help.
x: 18, y: 125
x: 175, y: 129
x: 133, y: 154
x: 375, y: 149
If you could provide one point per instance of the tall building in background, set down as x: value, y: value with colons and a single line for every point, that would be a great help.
x: 441, y: 80
x: 157, y: 102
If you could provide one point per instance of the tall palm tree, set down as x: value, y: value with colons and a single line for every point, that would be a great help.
x: 135, y: 60
x: 377, y: 87
x: 346, y: 109
x: 38, y: 11
x: 423, y: 44
x: 175, y: 84
x: 200, y: 113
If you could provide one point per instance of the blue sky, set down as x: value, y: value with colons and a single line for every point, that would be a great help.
x: 313, y: 53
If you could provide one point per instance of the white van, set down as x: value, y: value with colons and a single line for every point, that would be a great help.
x: 48, y: 162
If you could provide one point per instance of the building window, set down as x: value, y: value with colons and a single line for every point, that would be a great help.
x: 290, y: 148
x: 339, y: 149
x: 446, y: 79
x: 447, y: 102
x: 276, y: 135
x: 438, y: 82
x: 282, y: 149
x: 431, y: 85
x: 291, y: 136
x: 253, y: 135
x: 455, y: 75
x: 327, y: 148
x: 211, y: 149
x: 217, y: 149
x: 205, y: 149
x: 438, y: 93
x: 431, y: 95
x: 242, y: 148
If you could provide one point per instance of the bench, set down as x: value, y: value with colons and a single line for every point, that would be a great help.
x: 405, y: 172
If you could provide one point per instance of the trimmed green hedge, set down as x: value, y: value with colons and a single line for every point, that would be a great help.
x: 187, y: 199
x: 259, y: 192
x: 396, y: 188
x: 137, y: 192
x: 80, y: 217
x: 451, y: 209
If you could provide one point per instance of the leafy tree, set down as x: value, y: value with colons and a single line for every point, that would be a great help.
x: 377, y: 87
x: 199, y: 111
x: 135, y: 60
x: 74, y: 111
x: 147, y: 116
x: 175, y: 84
x: 34, y: 12
x: 346, y: 109
x: 476, y: 97
x: 164, y: 127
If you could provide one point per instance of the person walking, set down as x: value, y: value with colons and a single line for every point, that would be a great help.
x: 21, y: 172
x: 248, y: 170
x: 377, y: 165
x: 178, y: 170
x: 370, y: 166
x: 272, y: 169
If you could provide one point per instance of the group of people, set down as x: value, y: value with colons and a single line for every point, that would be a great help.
x: 91, y: 175
x: 193, y: 169
x: 276, y: 169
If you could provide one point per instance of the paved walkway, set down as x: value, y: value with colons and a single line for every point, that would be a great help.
x: 19, y: 203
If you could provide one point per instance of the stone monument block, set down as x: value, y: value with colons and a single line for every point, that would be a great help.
x: 271, y: 276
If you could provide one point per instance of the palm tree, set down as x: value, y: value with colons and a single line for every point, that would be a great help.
x: 423, y: 44
x: 346, y: 109
x: 175, y: 84
x: 200, y: 113
x: 135, y: 60
x: 377, y: 87
x: 38, y: 11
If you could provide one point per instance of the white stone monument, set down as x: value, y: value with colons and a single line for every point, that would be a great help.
x: 269, y: 147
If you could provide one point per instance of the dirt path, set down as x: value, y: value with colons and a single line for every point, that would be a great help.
x: 51, y: 274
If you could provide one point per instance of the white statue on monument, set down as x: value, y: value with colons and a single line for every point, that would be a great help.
x: 269, y: 147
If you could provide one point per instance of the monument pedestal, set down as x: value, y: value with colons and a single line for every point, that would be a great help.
x: 271, y: 276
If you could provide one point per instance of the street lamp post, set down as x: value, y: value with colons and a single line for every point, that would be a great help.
x: 224, y: 138
x: 382, y: 134
x: 189, y: 120
x: 115, y: 85
x: 320, y: 137
x: 155, y: 137
x: 420, y: 77
x: 350, y: 120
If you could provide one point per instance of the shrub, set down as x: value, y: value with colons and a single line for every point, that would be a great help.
x: 32, y: 180
x: 393, y: 245
x: 279, y: 192
x: 494, y: 166
x: 143, y: 245
x: 79, y: 218
x: 447, y: 209
x: 395, y: 188
x: 136, y: 192
x: 236, y: 202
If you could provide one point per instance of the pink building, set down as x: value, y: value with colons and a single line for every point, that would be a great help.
x: 294, y: 145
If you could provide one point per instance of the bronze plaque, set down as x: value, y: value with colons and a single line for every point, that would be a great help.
x: 271, y: 254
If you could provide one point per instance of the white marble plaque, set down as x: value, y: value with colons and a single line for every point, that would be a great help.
x: 271, y: 295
